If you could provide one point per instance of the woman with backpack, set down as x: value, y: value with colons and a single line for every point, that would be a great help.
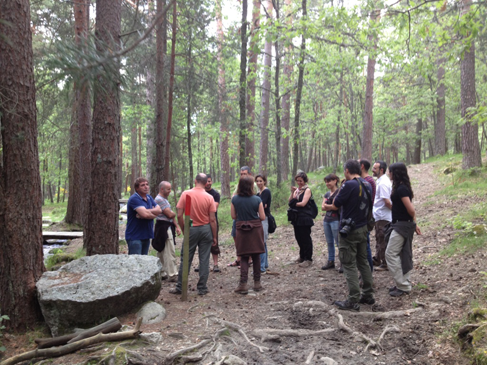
x: 300, y: 202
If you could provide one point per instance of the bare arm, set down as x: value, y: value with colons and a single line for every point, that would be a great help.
x: 169, y: 213
x: 307, y: 195
x: 181, y: 219
x: 388, y: 203
x: 261, y: 212
x: 233, y: 213
x: 293, y: 189
x: 148, y: 213
x: 213, y: 227
x: 216, y: 205
x: 411, y: 211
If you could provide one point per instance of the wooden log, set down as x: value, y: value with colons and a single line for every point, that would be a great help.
x: 75, y: 346
x: 112, y: 325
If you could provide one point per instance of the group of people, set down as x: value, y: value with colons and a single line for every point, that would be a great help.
x: 349, y: 207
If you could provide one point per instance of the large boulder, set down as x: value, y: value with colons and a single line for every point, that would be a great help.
x: 92, y: 289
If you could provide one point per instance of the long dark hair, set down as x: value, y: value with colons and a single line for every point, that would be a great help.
x: 245, y: 186
x: 400, y: 176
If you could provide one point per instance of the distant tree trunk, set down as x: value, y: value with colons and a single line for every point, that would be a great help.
x: 21, y: 261
x: 265, y: 101
x: 224, y: 157
x: 151, y: 136
x: 171, y: 93
x: 417, y: 143
x: 133, y: 148
x: 243, y: 85
x: 161, y: 97
x: 252, y: 77
x: 369, y: 93
x: 102, y: 230
x: 440, y: 129
x: 470, y: 129
x: 298, y: 94
x: 277, y: 99
x: 74, y: 210
x: 188, y: 106
x: 286, y: 100
x: 59, y: 176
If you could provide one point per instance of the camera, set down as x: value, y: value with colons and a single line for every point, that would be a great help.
x: 347, y: 226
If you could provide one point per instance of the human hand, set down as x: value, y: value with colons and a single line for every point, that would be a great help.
x: 215, y: 242
x: 293, y: 189
x: 178, y: 231
x: 418, y: 231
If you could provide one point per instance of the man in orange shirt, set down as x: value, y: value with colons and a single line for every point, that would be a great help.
x: 203, y: 232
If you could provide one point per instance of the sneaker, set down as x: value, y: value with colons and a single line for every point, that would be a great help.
x: 366, y: 300
x: 382, y: 267
x: 242, y: 288
x: 329, y: 265
x: 306, y: 264
x: 175, y: 291
x: 216, y: 268
x: 347, y: 305
x: 398, y: 293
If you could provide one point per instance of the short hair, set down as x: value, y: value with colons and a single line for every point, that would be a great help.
x: 208, y: 176
x: 162, y: 183
x: 245, y: 186
x: 366, y: 164
x: 331, y: 177
x: 382, y: 165
x: 302, y: 175
x: 246, y: 168
x: 264, y: 179
x: 352, y: 166
x: 138, y: 181
x: 201, y: 178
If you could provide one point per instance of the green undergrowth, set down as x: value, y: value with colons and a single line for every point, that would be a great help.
x: 59, y: 256
x: 54, y: 212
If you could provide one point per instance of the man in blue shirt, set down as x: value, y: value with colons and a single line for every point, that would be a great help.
x: 353, y: 198
x: 141, y: 212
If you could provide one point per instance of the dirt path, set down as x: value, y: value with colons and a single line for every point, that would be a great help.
x: 301, y: 299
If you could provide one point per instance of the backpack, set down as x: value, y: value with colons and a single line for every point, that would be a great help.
x: 370, y: 216
x: 271, y: 223
x: 313, y: 207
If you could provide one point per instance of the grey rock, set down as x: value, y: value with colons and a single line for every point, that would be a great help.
x: 90, y: 290
x: 152, y: 337
x: 328, y: 361
x: 151, y: 313
x: 233, y: 360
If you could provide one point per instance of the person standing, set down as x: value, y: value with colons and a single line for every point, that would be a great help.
x: 298, y: 200
x: 331, y: 219
x: 382, y: 214
x: 202, y: 234
x: 141, y: 212
x: 364, y: 173
x: 215, y: 250
x: 164, y: 233
x: 248, y: 211
x: 399, y: 251
x: 265, y: 195
x: 353, y: 198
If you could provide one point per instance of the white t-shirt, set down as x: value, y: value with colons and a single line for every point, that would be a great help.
x: 384, y: 188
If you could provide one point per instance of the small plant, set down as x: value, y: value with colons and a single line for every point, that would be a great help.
x: 421, y: 286
x: 2, y: 327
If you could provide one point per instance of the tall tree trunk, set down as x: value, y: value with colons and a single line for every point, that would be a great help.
x: 417, y: 143
x: 277, y: 99
x: 102, y: 228
x: 266, y: 97
x: 133, y: 148
x: 440, y: 129
x: 74, y: 210
x: 161, y: 97
x: 21, y: 263
x: 151, y: 135
x: 286, y: 99
x: 243, y: 85
x: 369, y: 92
x: 171, y: 93
x: 188, y: 106
x: 223, y: 115
x: 470, y: 129
x: 299, y: 93
x: 59, y: 175
x: 251, y: 80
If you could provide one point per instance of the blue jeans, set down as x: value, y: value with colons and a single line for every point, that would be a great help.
x: 369, y: 253
x: 264, y: 262
x: 138, y: 247
x: 331, y: 235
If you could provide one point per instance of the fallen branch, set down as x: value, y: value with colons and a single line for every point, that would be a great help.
x: 344, y: 327
x: 386, y: 315
x: 75, y: 346
x: 172, y: 356
x: 386, y: 330
x: 310, y: 357
x: 267, y: 334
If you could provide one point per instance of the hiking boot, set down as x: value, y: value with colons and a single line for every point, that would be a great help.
x: 298, y: 260
x: 366, y: 300
x: 340, y: 269
x: 216, y: 268
x: 347, y: 305
x: 175, y: 291
x: 242, y: 288
x: 257, y: 286
x: 329, y: 265
x: 306, y: 264
x: 203, y: 292
x: 398, y: 293
x: 392, y: 288
x: 375, y: 261
x: 382, y: 267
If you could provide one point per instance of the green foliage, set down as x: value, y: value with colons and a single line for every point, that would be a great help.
x: 60, y: 256
x: 2, y: 327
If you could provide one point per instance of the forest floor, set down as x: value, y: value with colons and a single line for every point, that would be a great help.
x: 294, y: 321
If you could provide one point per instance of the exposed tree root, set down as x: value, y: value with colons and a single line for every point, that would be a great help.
x: 172, y: 356
x: 344, y: 327
x: 386, y: 315
x: 271, y: 334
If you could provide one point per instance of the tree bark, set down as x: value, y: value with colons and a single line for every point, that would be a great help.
x: 417, y: 143
x: 286, y: 100
x: 151, y: 135
x: 21, y: 263
x: 133, y: 149
x: 243, y: 85
x: 470, y: 129
x: 188, y: 105
x: 369, y: 93
x: 299, y: 93
x: 223, y: 119
x: 265, y: 100
x: 102, y: 230
x: 440, y: 128
x: 277, y: 98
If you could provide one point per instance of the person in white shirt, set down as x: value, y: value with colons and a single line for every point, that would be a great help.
x: 382, y: 214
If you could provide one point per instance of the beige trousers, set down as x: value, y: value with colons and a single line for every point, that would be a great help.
x: 168, y: 256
